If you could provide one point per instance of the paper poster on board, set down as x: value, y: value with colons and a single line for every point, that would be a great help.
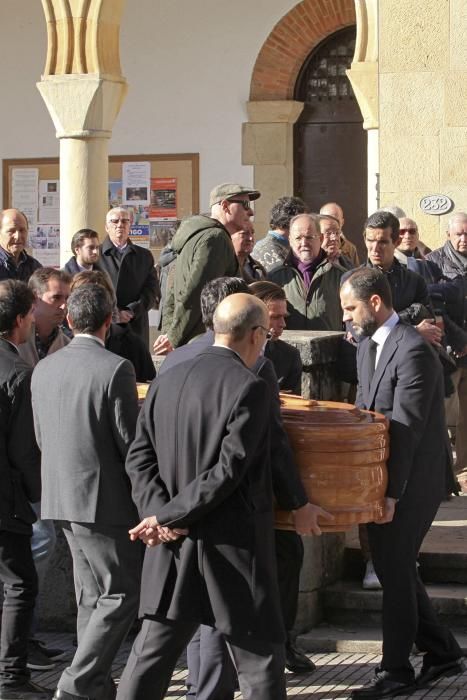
x: 24, y: 192
x: 115, y: 193
x: 139, y: 234
x: 45, y: 244
x: 163, y: 198
x: 49, y: 201
x: 136, y: 178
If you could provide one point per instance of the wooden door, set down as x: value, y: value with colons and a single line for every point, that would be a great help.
x: 330, y: 141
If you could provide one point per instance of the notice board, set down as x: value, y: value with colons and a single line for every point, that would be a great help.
x: 159, y: 190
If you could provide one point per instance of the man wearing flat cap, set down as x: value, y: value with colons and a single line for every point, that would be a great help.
x: 204, y: 252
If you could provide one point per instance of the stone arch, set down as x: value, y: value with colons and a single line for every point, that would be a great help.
x: 291, y: 41
x: 267, y: 139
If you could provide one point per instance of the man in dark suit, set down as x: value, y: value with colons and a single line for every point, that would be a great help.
x: 131, y: 269
x: 401, y: 377
x: 211, y: 675
x: 200, y: 462
x: 85, y: 409
x: 85, y: 249
x: 20, y: 484
x: 285, y: 358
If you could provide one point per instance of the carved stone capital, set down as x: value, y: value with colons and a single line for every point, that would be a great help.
x: 82, y: 106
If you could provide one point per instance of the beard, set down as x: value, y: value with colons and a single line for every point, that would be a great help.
x: 367, y: 327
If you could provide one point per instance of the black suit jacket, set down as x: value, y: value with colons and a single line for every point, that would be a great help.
x: 20, y: 460
x: 201, y: 460
x: 288, y: 488
x: 407, y: 387
x: 287, y: 364
x: 134, y: 280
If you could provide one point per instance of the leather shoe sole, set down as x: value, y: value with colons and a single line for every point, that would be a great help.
x: 434, y: 673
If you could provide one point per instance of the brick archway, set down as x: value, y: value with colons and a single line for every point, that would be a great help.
x: 291, y: 41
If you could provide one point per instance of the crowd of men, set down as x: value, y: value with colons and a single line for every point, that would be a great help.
x: 195, y: 473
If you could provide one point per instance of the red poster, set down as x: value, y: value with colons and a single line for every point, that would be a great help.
x: 163, y: 198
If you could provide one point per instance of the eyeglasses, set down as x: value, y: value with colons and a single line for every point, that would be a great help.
x: 115, y: 221
x: 268, y: 334
x: 246, y: 204
x: 412, y: 231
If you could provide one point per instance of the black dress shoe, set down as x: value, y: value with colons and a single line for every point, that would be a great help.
x: 26, y: 691
x: 63, y: 695
x: 382, y: 686
x: 430, y: 674
x: 296, y: 661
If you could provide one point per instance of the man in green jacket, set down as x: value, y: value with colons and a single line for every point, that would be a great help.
x: 310, y: 281
x: 204, y: 252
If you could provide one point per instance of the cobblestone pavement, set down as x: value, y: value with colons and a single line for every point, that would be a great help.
x: 334, y: 678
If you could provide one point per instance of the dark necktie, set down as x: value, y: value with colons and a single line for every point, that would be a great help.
x: 372, y: 347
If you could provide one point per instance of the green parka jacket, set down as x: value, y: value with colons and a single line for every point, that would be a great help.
x: 317, y: 309
x: 204, y: 252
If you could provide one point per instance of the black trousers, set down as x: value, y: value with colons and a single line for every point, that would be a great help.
x: 18, y: 574
x: 259, y: 664
x: 289, y: 558
x: 408, y: 615
x: 211, y: 673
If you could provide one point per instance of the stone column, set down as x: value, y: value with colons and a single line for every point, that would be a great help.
x: 268, y: 145
x: 363, y: 74
x: 83, y: 88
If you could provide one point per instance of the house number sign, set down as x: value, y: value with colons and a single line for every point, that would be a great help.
x: 436, y: 204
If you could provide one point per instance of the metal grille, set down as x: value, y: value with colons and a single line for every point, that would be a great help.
x: 323, y: 76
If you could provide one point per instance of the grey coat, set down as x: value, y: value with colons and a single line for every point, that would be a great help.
x: 85, y: 409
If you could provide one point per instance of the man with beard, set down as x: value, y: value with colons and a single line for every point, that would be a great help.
x: 399, y: 375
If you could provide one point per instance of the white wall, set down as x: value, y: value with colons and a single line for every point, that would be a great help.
x: 188, y: 64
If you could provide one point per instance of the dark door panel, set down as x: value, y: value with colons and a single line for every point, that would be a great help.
x: 330, y: 142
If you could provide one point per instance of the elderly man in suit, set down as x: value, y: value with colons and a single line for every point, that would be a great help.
x: 85, y: 409
x: 211, y: 675
x: 200, y: 471
x: 401, y: 377
x: 131, y: 269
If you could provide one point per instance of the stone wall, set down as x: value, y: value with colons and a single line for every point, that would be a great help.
x: 423, y: 107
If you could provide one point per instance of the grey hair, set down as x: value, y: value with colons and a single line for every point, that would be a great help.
x: 314, y: 218
x: 462, y: 215
x: 237, y: 325
x: 115, y: 209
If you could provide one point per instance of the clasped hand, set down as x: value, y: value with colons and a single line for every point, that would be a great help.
x: 151, y: 533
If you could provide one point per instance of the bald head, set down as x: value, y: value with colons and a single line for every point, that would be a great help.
x: 241, y: 323
x: 457, y: 232
x: 333, y: 209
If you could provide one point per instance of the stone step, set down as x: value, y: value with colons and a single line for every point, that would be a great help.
x: 347, y: 603
x: 365, y: 639
x: 435, y: 567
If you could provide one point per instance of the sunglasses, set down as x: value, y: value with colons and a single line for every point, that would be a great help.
x: 246, y: 204
x: 115, y: 221
x: 408, y: 230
